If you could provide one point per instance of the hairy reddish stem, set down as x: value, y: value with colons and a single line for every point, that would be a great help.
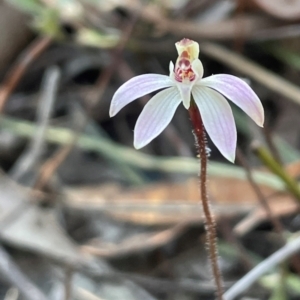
x: 211, y: 234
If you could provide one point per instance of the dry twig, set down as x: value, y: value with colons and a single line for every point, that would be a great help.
x: 32, y: 154
x: 16, y: 277
x: 13, y: 77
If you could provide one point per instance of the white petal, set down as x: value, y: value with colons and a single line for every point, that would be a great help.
x: 198, y: 68
x: 185, y: 89
x: 156, y: 116
x: 239, y: 92
x: 137, y: 87
x: 171, y: 69
x: 217, y: 119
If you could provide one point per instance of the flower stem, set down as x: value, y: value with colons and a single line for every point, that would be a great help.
x: 211, y: 234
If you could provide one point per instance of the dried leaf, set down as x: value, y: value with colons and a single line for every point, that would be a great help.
x: 166, y: 203
x: 31, y: 227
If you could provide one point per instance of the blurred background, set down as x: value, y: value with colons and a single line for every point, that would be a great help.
x: 85, y: 216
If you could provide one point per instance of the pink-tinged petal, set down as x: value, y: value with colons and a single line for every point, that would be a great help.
x: 156, y: 116
x: 239, y: 92
x: 218, y: 119
x: 137, y: 87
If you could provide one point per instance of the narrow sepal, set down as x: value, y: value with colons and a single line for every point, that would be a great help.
x: 156, y: 116
x: 239, y: 92
x: 137, y: 87
x: 218, y: 120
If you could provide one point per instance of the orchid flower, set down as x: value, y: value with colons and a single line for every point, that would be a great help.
x: 185, y: 80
